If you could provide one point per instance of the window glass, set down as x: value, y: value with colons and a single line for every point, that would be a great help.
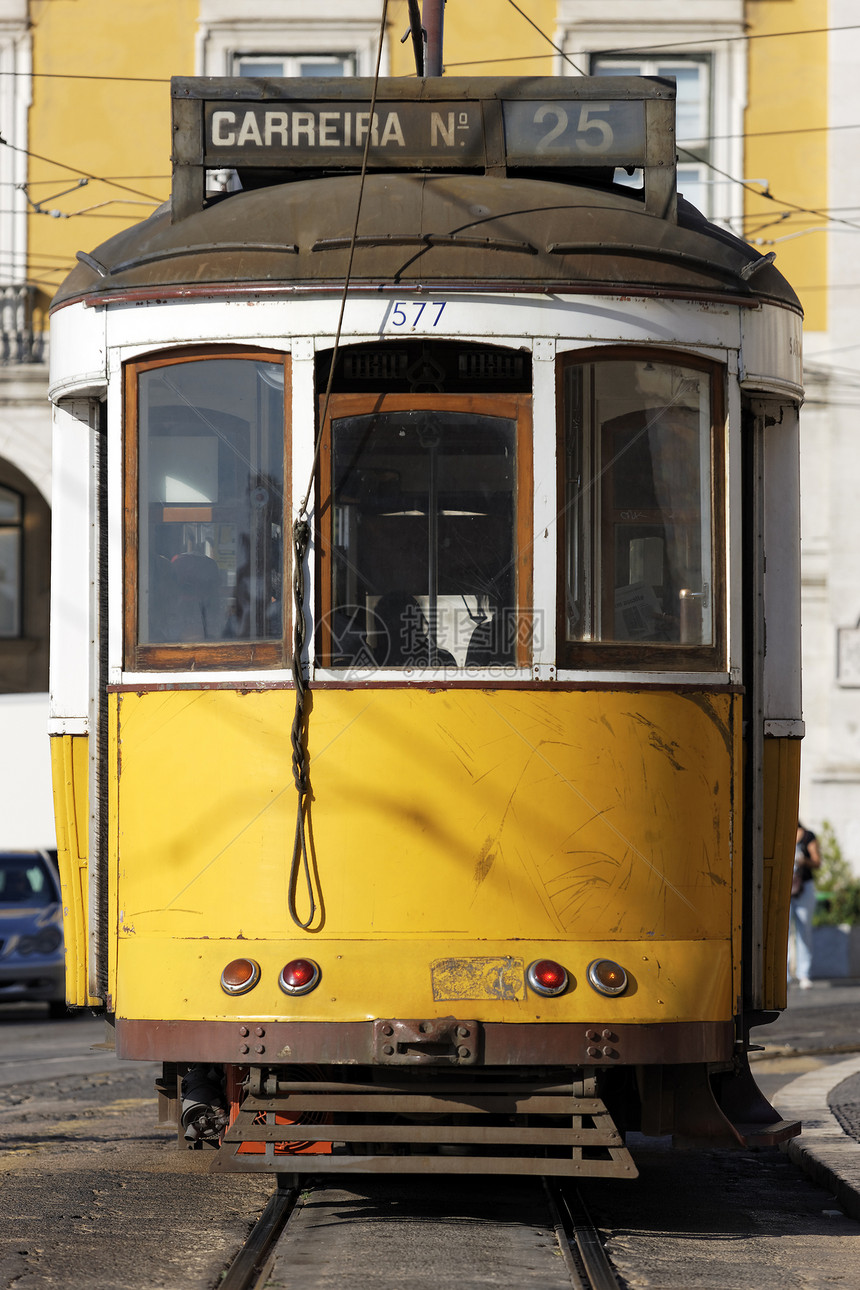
x: 638, y: 504
x: 422, y: 529
x: 294, y: 64
x: 692, y: 117
x: 210, y: 501
x: 11, y: 521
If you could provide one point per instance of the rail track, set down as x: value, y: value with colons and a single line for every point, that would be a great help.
x: 565, y: 1215
x: 249, y: 1266
x: 579, y: 1240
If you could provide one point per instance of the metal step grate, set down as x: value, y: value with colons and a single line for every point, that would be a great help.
x: 450, y: 1126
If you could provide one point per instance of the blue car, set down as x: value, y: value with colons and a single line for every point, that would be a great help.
x: 32, y: 956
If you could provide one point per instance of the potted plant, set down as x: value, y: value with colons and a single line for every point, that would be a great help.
x: 836, y: 924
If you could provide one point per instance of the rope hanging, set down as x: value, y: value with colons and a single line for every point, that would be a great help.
x: 301, y: 541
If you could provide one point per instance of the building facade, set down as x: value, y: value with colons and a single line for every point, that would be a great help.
x: 768, y: 113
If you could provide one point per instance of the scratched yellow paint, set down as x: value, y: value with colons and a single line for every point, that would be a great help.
x: 781, y: 784
x: 470, y: 822
x: 70, y: 773
x: 365, y: 979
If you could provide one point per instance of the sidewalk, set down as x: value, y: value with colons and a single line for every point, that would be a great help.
x: 824, y: 1020
x: 824, y: 1150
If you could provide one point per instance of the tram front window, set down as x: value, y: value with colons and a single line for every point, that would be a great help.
x: 639, y: 513
x: 210, y: 506
x: 419, y: 513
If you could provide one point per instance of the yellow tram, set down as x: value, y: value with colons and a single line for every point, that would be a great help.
x: 425, y: 678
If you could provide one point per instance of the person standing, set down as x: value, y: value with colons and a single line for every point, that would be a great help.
x: 807, y: 859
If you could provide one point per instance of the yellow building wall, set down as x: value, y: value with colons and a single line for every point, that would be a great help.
x: 489, y: 38
x: 101, y: 104
x: 786, y: 144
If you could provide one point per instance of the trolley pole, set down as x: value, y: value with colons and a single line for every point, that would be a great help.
x: 432, y: 19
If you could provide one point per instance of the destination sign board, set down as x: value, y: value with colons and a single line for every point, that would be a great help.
x: 553, y: 133
x: 337, y: 133
x: 494, y: 125
x: 570, y: 132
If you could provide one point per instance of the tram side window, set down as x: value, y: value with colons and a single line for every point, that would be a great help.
x: 420, y: 509
x: 208, y: 482
x: 642, y: 586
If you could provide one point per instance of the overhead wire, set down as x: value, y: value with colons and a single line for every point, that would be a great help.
x: 556, y: 47
x: 745, y: 184
x: 115, y: 181
x: 75, y: 170
x: 663, y: 46
x: 765, y: 193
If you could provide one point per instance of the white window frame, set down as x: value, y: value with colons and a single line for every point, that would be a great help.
x: 292, y: 61
x: 652, y: 31
x: 283, y: 28
x: 15, y: 100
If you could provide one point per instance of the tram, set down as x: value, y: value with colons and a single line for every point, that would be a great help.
x: 426, y: 668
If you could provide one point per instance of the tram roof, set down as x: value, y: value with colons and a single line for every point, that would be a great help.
x: 493, y: 183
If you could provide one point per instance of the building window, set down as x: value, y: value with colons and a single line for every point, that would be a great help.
x: 692, y: 117
x: 313, y: 64
x: 11, y: 562
x: 640, y: 507
x: 264, y: 38
x: 25, y: 583
x: 205, y: 475
x: 704, y: 47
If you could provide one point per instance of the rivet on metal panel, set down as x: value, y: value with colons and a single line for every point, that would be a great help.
x: 464, y: 1051
x: 463, y: 1032
x: 608, y: 1051
x: 591, y: 1051
x: 607, y: 1034
x: 544, y: 349
x: 260, y: 1032
x: 302, y: 348
x: 592, y: 1035
x: 259, y: 1048
x: 243, y: 1030
x: 387, y: 1030
x: 243, y: 1048
x: 388, y: 1049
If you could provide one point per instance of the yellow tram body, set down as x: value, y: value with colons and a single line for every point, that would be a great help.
x: 539, y: 792
x: 547, y: 870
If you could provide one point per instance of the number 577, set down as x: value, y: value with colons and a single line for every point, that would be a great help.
x: 400, y: 318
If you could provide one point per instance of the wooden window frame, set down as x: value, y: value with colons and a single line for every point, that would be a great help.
x: 648, y: 656
x: 226, y: 655
x: 514, y: 407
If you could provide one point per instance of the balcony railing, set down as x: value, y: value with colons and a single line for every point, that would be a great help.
x: 19, y: 341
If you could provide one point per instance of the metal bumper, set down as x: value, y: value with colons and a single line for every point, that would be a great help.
x: 593, y: 1044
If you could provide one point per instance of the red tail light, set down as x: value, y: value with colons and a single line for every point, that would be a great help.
x: 299, y: 976
x: 545, y: 976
